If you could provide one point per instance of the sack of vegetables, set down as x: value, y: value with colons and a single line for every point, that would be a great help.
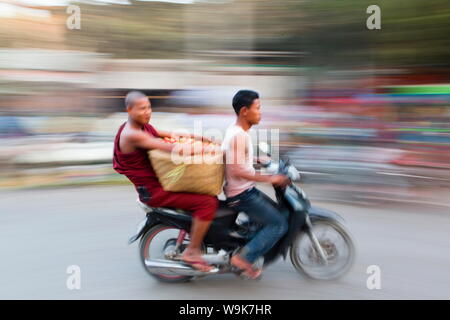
x: 179, y: 171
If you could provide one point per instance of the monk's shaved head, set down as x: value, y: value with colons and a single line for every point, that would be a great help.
x: 132, y: 97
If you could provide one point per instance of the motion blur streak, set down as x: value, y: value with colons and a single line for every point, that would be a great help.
x: 363, y: 114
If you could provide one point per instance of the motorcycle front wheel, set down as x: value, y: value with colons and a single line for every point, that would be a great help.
x: 335, y: 241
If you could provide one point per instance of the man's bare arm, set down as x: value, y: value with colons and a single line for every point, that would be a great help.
x: 235, y: 162
x: 147, y: 142
x: 170, y: 134
x: 164, y: 134
x: 276, y: 179
x: 257, y: 177
x: 237, y: 151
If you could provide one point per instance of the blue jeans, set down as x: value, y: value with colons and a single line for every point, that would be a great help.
x: 261, y: 209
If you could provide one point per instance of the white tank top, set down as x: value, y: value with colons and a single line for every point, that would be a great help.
x: 233, y: 184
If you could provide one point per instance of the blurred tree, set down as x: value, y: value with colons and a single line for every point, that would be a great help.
x: 334, y: 33
x: 413, y: 32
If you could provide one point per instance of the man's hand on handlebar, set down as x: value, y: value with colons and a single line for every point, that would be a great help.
x: 280, y: 180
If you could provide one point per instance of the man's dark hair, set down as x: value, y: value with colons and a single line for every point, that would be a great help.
x: 244, y: 98
x: 132, y: 96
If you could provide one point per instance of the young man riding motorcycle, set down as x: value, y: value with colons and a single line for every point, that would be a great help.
x: 240, y: 177
x: 134, y: 138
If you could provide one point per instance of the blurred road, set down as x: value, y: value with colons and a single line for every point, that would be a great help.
x: 42, y: 232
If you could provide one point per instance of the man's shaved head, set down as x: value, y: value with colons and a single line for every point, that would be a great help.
x: 132, y: 97
x: 138, y: 107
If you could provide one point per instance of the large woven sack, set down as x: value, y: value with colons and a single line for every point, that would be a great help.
x: 202, y: 178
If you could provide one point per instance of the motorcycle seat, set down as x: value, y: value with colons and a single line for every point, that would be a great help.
x: 222, y: 211
x: 148, y: 208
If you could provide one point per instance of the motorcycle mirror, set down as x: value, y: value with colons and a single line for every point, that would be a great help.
x: 264, y: 147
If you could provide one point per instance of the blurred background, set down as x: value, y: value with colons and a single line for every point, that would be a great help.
x: 358, y: 110
x: 363, y: 114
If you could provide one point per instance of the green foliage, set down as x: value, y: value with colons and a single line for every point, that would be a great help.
x: 330, y: 32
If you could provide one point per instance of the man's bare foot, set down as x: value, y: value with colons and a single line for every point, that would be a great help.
x: 248, y: 269
x: 194, y: 259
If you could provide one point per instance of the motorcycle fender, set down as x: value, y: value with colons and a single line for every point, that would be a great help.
x: 322, y: 213
x: 142, y: 228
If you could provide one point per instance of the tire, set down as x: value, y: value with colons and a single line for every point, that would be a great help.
x: 320, y: 271
x: 144, y: 254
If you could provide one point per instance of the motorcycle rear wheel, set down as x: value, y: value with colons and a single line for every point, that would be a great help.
x: 149, y: 239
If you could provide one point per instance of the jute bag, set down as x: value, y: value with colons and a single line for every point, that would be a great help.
x: 203, y: 178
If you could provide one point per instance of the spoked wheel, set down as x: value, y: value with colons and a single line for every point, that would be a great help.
x: 159, y: 243
x: 337, y: 245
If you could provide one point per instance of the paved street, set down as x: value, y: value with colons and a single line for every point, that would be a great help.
x: 42, y: 232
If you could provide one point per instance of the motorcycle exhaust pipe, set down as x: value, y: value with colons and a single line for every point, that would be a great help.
x: 177, y: 268
x: 217, y: 259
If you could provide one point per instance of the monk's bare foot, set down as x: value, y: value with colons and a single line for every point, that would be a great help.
x: 194, y: 259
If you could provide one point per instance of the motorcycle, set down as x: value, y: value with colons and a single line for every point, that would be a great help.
x: 319, y: 244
